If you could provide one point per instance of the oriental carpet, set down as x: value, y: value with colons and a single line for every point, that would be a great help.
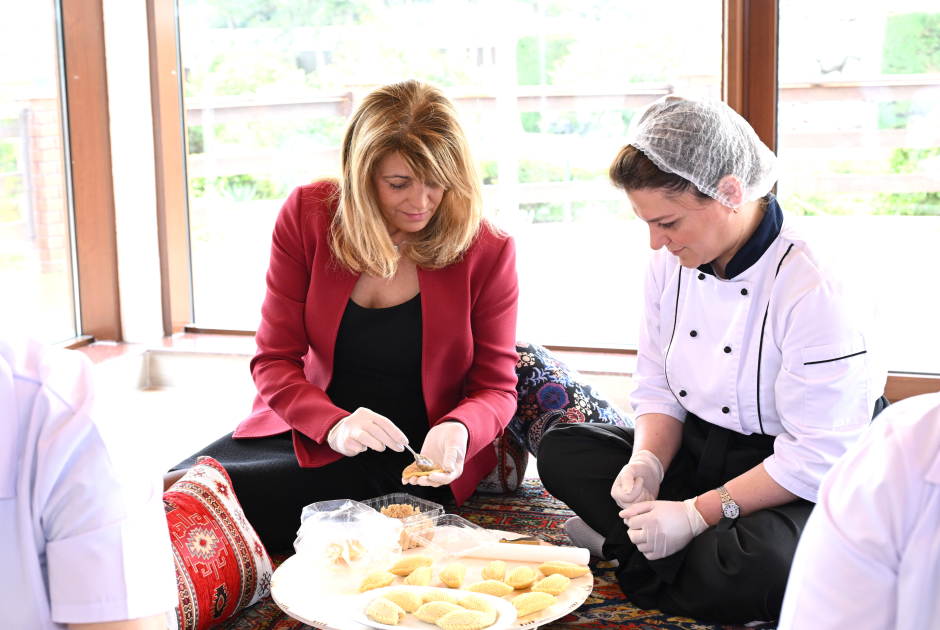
x: 529, y: 510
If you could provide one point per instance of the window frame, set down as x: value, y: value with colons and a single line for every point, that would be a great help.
x: 749, y: 85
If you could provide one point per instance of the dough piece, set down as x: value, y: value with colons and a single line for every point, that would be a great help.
x: 376, y: 579
x: 567, y: 569
x: 438, y: 596
x: 475, y: 602
x: 432, y: 611
x: 529, y: 603
x: 413, y: 471
x: 419, y: 577
x: 406, y: 565
x: 340, y: 549
x: 409, y: 601
x: 415, y: 519
x: 385, y: 611
x: 465, y: 620
x: 490, y: 587
x: 453, y: 574
x: 554, y: 584
x: 495, y: 570
x: 521, y: 577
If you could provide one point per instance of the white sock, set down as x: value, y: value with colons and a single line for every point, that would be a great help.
x: 582, y: 535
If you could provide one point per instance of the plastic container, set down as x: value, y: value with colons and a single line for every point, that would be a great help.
x: 428, y: 512
x: 453, y: 536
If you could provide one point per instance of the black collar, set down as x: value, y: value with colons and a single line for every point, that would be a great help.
x: 765, y: 234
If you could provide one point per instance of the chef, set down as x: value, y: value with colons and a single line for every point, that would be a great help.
x: 757, y: 368
x: 83, y: 544
x: 870, y: 556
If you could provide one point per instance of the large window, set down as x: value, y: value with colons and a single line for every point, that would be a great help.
x: 36, y: 287
x: 547, y: 89
x: 859, y: 143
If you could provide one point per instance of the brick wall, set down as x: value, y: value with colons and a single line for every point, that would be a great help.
x: 48, y: 183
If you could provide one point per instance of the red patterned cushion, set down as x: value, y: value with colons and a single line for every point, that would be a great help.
x: 221, y: 565
x: 511, y: 462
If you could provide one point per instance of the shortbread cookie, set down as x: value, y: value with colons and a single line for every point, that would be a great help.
x: 376, y: 579
x: 529, y: 603
x: 432, y: 611
x: 438, y: 596
x: 419, y: 577
x: 554, y: 584
x: 475, y: 602
x: 495, y: 570
x: 521, y: 577
x: 409, y: 601
x: 385, y: 611
x: 406, y: 565
x: 567, y: 569
x: 453, y: 574
x: 465, y: 620
x: 490, y: 587
x: 413, y: 471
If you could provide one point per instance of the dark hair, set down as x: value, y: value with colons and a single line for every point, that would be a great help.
x: 632, y: 170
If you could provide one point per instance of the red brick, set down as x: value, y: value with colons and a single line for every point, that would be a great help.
x: 47, y: 180
x: 52, y: 242
x: 49, y: 218
x: 46, y: 155
x: 44, y: 142
x: 47, y: 168
x: 47, y: 192
x: 47, y: 230
x: 51, y: 205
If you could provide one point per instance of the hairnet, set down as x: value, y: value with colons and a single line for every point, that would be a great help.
x: 704, y: 140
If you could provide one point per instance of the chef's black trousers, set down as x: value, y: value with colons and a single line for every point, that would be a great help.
x: 273, y: 489
x: 733, y: 572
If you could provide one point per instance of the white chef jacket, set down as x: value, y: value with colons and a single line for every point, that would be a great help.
x: 869, y: 557
x: 79, y: 542
x: 779, y: 348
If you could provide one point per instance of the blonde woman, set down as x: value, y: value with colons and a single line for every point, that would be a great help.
x: 389, y: 319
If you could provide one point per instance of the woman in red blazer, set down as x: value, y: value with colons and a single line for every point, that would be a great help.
x: 389, y: 318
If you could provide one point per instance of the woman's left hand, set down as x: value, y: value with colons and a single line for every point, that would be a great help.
x: 445, y: 444
x: 661, y: 528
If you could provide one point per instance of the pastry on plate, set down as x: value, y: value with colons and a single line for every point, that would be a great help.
x: 529, y: 603
x: 385, y: 611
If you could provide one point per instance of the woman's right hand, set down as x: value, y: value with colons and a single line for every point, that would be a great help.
x: 365, y: 429
x: 638, y: 481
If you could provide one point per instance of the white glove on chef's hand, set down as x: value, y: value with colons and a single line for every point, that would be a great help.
x: 638, y: 481
x: 365, y: 429
x: 661, y: 528
x: 445, y: 444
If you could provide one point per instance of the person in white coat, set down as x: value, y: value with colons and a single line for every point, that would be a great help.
x: 756, y: 370
x: 83, y: 546
x: 869, y: 558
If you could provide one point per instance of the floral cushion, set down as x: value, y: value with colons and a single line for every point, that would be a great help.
x: 511, y: 462
x: 549, y: 392
x: 221, y: 565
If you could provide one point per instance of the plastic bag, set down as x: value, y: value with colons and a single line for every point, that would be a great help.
x: 347, y: 535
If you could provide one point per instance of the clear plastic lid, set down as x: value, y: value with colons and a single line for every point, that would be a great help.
x: 453, y: 536
x: 397, y: 506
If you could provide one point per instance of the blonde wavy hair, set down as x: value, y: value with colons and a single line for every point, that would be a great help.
x: 422, y: 125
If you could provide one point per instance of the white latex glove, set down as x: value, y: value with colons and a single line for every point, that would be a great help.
x: 445, y: 444
x: 638, y: 481
x: 365, y: 429
x: 661, y: 528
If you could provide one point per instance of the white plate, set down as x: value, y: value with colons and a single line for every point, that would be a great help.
x: 507, y: 612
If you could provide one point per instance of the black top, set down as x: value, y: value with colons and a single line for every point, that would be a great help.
x: 377, y: 365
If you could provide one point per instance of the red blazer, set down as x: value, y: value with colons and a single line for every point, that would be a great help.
x: 469, y: 347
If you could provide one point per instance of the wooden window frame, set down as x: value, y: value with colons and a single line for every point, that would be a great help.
x: 749, y: 86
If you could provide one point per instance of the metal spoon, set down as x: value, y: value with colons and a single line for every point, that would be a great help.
x: 424, y: 463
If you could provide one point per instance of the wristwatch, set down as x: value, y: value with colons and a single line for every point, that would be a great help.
x: 729, y: 509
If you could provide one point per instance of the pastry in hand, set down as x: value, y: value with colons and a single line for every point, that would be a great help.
x: 385, y: 611
x: 413, y: 471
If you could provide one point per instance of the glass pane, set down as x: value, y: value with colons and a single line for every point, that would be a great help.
x: 859, y: 145
x: 35, y: 250
x: 547, y: 90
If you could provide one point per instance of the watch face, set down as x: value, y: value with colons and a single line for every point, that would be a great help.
x: 730, y: 511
